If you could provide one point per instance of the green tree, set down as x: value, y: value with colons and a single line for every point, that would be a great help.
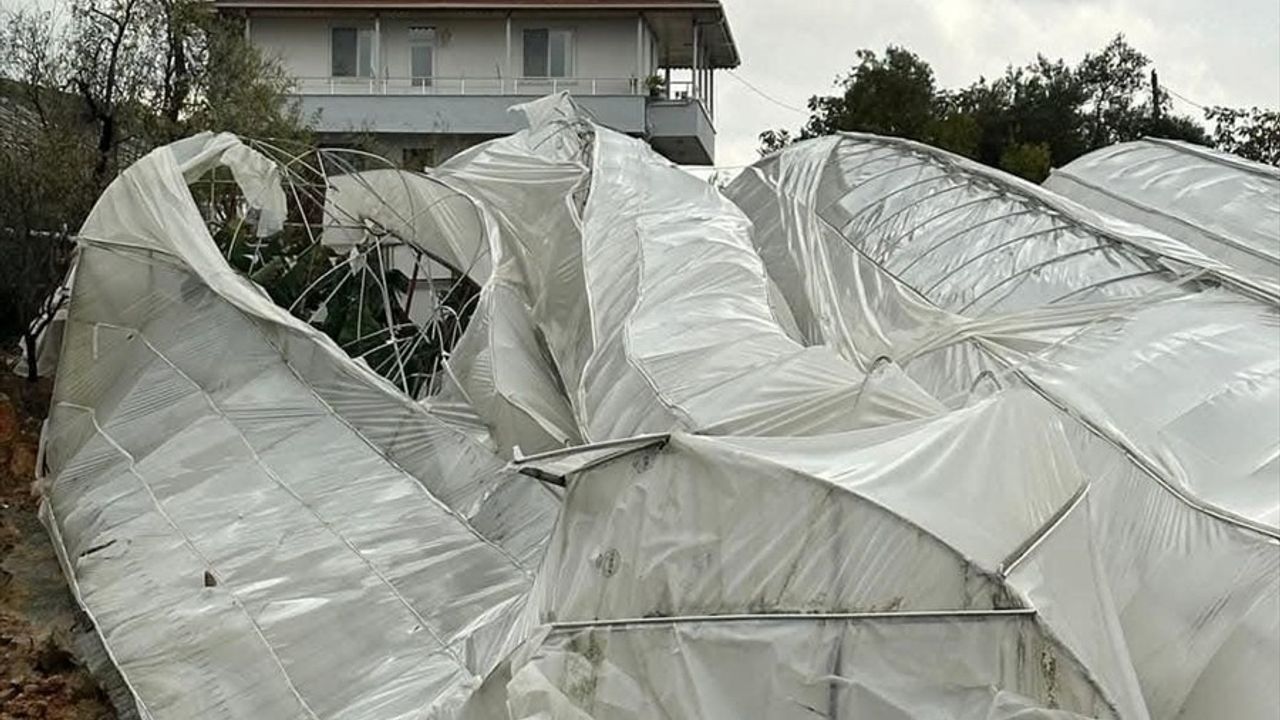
x: 86, y: 97
x: 1026, y: 160
x: 34, y: 240
x: 1043, y: 105
x: 1253, y: 133
x: 956, y: 131
x: 890, y: 95
x: 1031, y: 118
x: 1112, y: 80
x: 772, y: 141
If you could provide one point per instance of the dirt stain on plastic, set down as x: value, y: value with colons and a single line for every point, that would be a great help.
x: 587, y: 652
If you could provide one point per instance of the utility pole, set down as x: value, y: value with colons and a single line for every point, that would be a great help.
x: 1155, y: 96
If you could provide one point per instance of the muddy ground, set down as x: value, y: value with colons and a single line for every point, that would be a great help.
x: 40, y: 630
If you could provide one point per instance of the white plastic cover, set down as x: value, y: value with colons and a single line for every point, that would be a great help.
x: 259, y: 526
x: 1225, y: 206
x: 826, y: 460
x: 417, y: 210
x: 1167, y: 363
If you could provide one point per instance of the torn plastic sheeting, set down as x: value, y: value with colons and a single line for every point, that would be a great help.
x: 192, y: 287
x: 612, y: 246
x: 683, y: 332
x: 370, y: 559
x: 929, y: 246
x: 201, y: 448
x: 499, y: 369
x: 418, y: 210
x: 529, y: 303
x: 260, y: 184
x: 926, y: 242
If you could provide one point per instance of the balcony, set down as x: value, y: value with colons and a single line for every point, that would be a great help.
x: 675, y: 122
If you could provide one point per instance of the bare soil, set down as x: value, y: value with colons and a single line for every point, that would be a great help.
x: 40, y: 676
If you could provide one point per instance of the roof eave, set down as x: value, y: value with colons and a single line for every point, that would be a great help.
x: 722, y: 21
x: 411, y: 5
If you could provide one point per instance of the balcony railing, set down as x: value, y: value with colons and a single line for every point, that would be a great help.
x: 679, y: 90
x: 468, y: 86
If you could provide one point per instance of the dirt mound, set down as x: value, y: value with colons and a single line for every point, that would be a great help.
x: 41, y: 676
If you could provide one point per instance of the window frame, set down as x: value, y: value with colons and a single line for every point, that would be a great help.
x: 432, y: 45
x: 362, y: 30
x: 570, y: 52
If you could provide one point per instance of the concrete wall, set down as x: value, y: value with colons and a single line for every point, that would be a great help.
x: 470, y: 114
x: 682, y: 130
x: 467, y: 46
x: 475, y: 83
x: 413, y: 151
x: 301, y: 45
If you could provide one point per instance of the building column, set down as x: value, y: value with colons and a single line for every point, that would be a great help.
x: 641, y: 74
x: 697, y: 56
x: 706, y: 85
x: 506, y: 70
x: 702, y: 72
x: 711, y: 92
x: 377, y: 45
x: 706, y: 72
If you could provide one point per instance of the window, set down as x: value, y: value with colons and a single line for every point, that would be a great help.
x: 548, y: 53
x: 422, y: 55
x: 351, y: 52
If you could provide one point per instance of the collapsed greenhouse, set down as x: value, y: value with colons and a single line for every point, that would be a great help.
x: 875, y: 433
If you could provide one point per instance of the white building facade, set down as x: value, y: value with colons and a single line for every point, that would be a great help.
x: 428, y: 78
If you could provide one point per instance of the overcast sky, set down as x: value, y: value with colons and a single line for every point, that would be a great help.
x: 1223, y: 52
x: 1214, y: 53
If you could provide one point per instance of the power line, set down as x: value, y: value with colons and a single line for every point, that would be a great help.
x: 766, y: 95
x: 1182, y: 97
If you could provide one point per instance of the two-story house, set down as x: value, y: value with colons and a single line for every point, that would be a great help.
x: 428, y: 78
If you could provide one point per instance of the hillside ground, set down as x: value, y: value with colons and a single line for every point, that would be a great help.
x: 40, y: 676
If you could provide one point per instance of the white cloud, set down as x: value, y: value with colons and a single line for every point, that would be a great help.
x: 1214, y: 53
